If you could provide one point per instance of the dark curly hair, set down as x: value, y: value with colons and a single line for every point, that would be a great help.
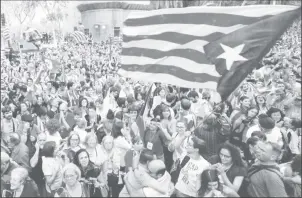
x: 275, y: 110
x: 209, y: 175
x: 235, y: 153
x: 52, y: 126
x: 76, y: 157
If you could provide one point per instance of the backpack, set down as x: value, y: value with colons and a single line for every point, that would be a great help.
x: 243, y: 190
x: 175, y: 171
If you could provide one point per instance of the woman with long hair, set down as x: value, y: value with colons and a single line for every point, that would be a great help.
x: 87, y: 167
x: 83, y: 105
x: 167, y: 121
x: 261, y: 103
x: 245, y: 104
x: 229, y: 164
x: 158, y: 99
x: 90, y: 173
x: 228, y: 109
x: 212, y: 187
x: 242, y: 124
x: 169, y: 124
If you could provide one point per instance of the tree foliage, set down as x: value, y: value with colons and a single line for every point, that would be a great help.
x: 161, y: 4
x: 21, y: 10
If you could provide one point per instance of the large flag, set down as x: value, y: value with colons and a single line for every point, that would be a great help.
x: 5, y: 31
x: 201, y: 47
x: 33, y: 35
x: 79, y: 37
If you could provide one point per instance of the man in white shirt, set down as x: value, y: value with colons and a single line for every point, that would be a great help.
x: 189, y: 180
x: 267, y: 125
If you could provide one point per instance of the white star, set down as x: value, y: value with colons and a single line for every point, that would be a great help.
x: 232, y: 54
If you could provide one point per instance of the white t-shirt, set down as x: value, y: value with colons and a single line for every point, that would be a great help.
x: 123, y: 146
x: 56, y: 137
x: 189, y: 180
x: 50, y: 167
x: 275, y: 136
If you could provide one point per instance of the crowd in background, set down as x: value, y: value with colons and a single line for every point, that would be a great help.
x: 69, y: 128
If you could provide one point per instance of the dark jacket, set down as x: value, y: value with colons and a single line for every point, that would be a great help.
x: 30, y: 189
x: 20, y: 154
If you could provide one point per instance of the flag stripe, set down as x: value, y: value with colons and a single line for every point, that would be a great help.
x: 78, y: 39
x: 172, y: 70
x: 165, y: 46
x: 79, y: 36
x: 168, y: 45
x: 174, y: 37
x: 166, y: 78
x: 176, y: 61
x: 195, y: 18
x: 195, y: 30
x: 191, y: 54
x: 248, y: 11
x: 6, y: 33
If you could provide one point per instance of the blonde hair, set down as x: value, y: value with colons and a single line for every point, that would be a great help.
x: 21, y: 172
x: 107, y: 137
x: 82, y: 123
x: 72, y: 166
x: 88, y: 136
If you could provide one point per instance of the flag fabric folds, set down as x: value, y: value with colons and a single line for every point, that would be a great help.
x: 79, y: 37
x: 5, y: 33
x: 201, y: 47
x: 33, y: 35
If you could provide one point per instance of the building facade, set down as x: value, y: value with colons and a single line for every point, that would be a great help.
x: 105, y: 19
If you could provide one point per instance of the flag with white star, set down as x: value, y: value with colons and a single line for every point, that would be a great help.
x: 201, y: 47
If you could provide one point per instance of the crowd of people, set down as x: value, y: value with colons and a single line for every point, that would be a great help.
x: 70, y: 128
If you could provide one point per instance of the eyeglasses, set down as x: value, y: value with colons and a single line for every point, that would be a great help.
x: 74, y: 139
x: 69, y: 176
x: 224, y: 156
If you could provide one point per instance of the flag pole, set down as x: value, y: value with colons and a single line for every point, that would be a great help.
x: 20, y: 52
x: 142, y: 110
